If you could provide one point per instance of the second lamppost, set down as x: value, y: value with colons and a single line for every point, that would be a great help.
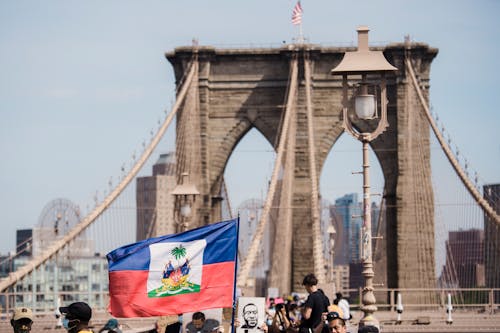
x: 185, y: 194
x: 364, y: 91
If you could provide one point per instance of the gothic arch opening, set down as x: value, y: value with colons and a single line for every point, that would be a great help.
x: 247, y: 176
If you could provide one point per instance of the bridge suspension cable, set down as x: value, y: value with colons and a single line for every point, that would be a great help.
x: 58, y: 245
x: 319, y: 264
x: 447, y: 151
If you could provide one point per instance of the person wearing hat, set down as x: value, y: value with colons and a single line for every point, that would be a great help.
x: 332, y: 322
x: 22, y: 319
x: 76, y: 317
x: 111, y: 326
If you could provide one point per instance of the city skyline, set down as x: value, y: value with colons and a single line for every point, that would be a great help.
x: 84, y: 84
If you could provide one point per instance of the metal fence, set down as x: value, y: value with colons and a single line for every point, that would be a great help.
x: 474, y: 299
x: 477, y: 299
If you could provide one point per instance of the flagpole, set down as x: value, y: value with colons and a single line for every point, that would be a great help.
x: 301, y: 37
x: 235, y: 272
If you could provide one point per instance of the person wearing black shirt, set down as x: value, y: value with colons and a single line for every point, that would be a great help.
x: 315, y: 305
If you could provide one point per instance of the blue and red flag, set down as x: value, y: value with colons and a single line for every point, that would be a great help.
x: 173, y: 274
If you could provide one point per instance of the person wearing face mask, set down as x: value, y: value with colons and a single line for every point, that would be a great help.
x: 76, y: 317
x: 22, y: 319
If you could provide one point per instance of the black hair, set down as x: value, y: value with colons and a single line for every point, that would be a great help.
x: 248, y: 304
x: 310, y: 280
x: 198, y: 315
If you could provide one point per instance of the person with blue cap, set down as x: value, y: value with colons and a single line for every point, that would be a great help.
x: 111, y: 326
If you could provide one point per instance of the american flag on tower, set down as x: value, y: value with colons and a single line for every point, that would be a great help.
x: 297, y: 14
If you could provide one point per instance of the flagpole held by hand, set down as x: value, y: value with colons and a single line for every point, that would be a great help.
x: 235, y: 271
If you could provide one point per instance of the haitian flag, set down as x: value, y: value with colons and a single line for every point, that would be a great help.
x: 173, y: 274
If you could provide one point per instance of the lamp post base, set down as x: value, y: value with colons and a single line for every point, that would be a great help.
x: 369, y: 320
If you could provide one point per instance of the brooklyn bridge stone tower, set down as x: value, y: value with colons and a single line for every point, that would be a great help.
x: 239, y: 89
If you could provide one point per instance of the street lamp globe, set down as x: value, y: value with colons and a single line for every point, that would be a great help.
x: 186, y: 209
x: 365, y: 105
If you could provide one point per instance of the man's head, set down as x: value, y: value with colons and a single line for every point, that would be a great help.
x: 310, y: 281
x: 335, y: 322
x: 339, y: 295
x: 22, y: 319
x: 198, y: 320
x: 250, y: 315
x: 77, y: 315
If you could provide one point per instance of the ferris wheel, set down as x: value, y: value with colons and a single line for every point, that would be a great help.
x: 58, y: 217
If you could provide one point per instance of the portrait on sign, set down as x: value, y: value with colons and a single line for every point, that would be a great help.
x: 251, y: 313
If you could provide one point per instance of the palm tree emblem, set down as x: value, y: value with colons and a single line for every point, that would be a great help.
x: 178, y: 252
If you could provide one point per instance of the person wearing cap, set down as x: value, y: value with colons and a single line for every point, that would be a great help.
x: 111, y: 326
x: 331, y: 322
x: 76, y: 317
x: 22, y: 319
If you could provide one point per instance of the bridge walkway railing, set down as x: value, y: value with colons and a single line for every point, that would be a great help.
x: 477, y: 299
x: 484, y: 300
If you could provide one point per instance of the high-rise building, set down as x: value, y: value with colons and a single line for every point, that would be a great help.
x: 348, y: 210
x: 464, y: 265
x: 492, y: 240
x: 375, y: 213
x: 341, y: 278
x: 155, y: 203
x: 69, y: 278
x: 340, y: 256
x: 24, y: 242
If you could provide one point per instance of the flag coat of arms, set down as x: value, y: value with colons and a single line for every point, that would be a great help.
x: 173, y: 274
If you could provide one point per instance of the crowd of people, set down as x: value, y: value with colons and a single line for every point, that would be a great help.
x: 293, y: 314
x: 313, y: 314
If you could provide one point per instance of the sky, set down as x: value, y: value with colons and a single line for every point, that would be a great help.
x: 83, y: 83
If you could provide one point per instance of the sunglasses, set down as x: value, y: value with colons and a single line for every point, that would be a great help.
x: 332, y: 315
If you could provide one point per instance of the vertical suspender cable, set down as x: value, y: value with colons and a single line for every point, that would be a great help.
x: 319, y: 265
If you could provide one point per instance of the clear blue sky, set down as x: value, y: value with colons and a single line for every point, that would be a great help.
x: 83, y: 82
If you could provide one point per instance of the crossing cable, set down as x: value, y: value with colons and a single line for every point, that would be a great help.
x: 55, y: 247
x: 319, y: 264
x: 188, y: 144
x: 446, y: 149
x: 226, y: 197
x: 282, y: 247
x: 257, y: 238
